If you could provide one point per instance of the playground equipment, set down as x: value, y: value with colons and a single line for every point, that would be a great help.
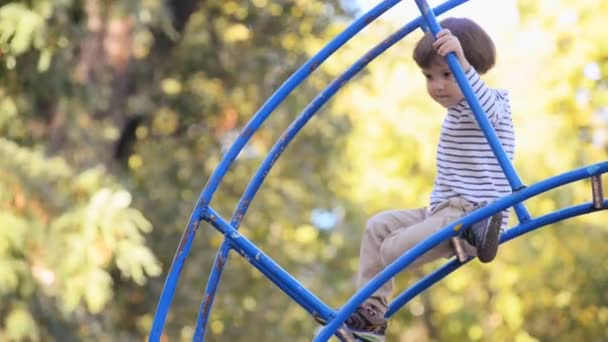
x: 281, y: 278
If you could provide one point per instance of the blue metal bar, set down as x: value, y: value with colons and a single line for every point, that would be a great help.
x: 449, y: 231
x: 302, y: 73
x: 422, y: 285
x: 207, y: 302
x: 208, y: 298
x: 480, y: 115
x: 547, y: 219
x: 454, y: 264
x: 317, y: 103
x: 269, y: 267
x: 286, y: 138
x: 171, y: 282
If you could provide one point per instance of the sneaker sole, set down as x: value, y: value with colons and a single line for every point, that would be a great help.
x: 343, y: 334
x: 489, y: 248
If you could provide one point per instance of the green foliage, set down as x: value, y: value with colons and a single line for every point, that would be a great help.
x: 63, y: 233
x: 21, y: 29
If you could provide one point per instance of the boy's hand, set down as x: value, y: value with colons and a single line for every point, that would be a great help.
x: 446, y: 42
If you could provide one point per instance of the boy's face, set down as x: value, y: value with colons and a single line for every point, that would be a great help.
x: 441, y: 85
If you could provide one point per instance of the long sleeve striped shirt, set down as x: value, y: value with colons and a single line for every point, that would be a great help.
x: 466, y: 166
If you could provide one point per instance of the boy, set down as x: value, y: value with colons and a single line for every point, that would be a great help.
x: 468, y: 174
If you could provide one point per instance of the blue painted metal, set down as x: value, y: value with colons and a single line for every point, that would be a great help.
x: 256, y: 121
x: 422, y: 285
x: 449, y: 231
x: 282, y: 143
x: 506, y: 165
x: 210, y: 291
x: 454, y: 264
x: 174, y: 271
x: 268, y: 267
x: 282, y: 278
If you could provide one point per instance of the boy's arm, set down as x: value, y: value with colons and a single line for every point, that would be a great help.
x: 491, y: 100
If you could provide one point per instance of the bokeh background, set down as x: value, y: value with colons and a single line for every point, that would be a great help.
x: 114, y: 113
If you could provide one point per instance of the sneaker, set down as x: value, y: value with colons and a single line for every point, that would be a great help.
x: 485, y: 236
x: 367, y: 323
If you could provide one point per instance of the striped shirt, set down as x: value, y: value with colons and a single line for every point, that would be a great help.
x: 466, y: 166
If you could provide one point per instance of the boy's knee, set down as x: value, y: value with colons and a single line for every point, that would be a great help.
x: 376, y: 226
x: 386, y: 255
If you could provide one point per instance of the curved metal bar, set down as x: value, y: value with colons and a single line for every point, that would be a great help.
x: 270, y: 269
x: 449, y: 231
x: 480, y: 115
x: 302, y: 73
x: 280, y: 146
x: 510, y: 234
x: 422, y: 285
x: 315, y: 308
x: 264, y: 263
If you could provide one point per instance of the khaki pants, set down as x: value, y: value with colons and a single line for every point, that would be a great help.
x: 389, y: 234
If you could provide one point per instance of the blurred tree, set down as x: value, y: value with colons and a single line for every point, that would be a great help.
x: 140, y: 100
x: 63, y: 233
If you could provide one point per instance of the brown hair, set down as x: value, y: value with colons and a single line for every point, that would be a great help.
x: 476, y: 44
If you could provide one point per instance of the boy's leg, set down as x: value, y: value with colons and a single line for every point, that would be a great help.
x: 403, y: 240
x: 377, y: 230
x: 368, y: 322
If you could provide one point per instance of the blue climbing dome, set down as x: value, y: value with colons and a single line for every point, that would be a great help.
x: 280, y: 277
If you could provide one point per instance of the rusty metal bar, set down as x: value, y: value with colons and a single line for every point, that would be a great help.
x: 598, y: 191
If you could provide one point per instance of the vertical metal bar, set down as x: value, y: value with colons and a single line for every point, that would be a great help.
x: 598, y: 191
x: 480, y: 115
x: 461, y: 254
x: 521, y: 212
